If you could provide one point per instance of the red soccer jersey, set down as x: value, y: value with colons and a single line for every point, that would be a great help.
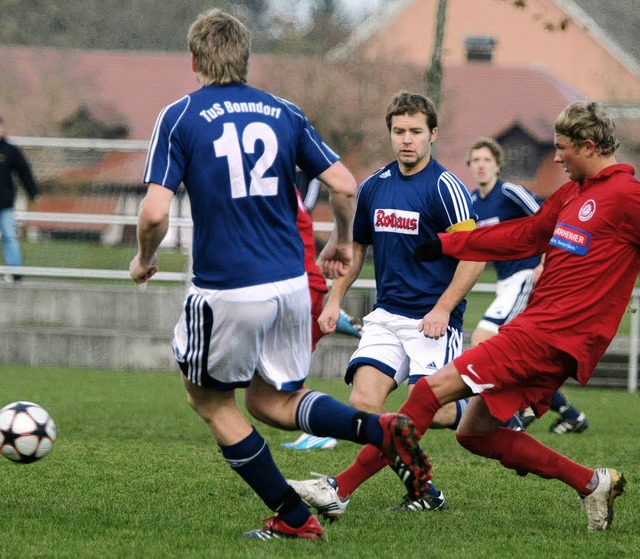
x: 591, y: 235
x: 305, y: 226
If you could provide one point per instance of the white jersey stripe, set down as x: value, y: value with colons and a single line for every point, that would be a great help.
x: 153, y: 143
x: 521, y: 196
x: 170, y: 143
x: 154, y: 137
x: 450, y: 218
x: 454, y: 190
x: 521, y: 300
x: 313, y: 190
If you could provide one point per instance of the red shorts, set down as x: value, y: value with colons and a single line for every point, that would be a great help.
x: 513, y: 370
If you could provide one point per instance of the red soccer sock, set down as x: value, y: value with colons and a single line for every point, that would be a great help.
x: 523, y: 453
x: 368, y: 463
x: 421, y: 406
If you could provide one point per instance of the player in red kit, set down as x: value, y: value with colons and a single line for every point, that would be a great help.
x: 588, y: 230
x: 307, y: 195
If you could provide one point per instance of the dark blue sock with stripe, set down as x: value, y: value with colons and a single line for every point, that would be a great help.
x: 461, y: 407
x: 322, y: 415
x: 252, y: 460
x: 561, y: 405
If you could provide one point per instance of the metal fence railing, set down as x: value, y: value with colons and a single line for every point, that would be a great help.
x: 45, y: 271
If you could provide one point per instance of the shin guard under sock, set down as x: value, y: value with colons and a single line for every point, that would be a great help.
x: 321, y: 415
x: 368, y: 462
x: 252, y: 461
x: 421, y: 406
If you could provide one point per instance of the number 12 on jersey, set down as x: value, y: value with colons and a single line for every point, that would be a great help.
x: 229, y: 145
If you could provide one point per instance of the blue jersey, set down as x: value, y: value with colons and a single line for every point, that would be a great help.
x: 506, y: 201
x: 397, y: 212
x: 236, y: 148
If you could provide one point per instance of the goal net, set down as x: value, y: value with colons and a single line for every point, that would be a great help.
x: 84, y: 223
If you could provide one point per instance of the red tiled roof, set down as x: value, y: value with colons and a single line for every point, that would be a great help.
x: 487, y: 100
x: 114, y: 168
x: 41, y: 87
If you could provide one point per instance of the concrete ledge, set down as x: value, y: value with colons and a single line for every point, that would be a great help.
x: 97, y: 349
x: 120, y: 327
x: 331, y: 357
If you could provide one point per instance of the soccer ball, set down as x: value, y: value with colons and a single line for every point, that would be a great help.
x: 27, y: 432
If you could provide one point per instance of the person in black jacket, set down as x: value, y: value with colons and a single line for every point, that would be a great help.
x: 12, y: 161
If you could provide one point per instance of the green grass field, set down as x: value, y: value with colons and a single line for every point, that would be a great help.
x: 135, y: 474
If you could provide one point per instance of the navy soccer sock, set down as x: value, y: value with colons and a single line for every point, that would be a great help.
x: 561, y: 405
x: 461, y: 407
x: 322, y: 415
x: 252, y: 460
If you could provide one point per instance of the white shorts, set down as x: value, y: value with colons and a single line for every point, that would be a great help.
x: 224, y: 337
x: 392, y: 344
x: 512, y: 295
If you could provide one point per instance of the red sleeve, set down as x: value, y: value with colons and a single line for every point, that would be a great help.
x: 630, y: 212
x: 305, y: 227
x: 509, y: 240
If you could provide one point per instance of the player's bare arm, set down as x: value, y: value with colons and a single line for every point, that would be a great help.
x: 331, y: 311
x: 153, y: 223
x: 435, y: 322
x: 337, y: 255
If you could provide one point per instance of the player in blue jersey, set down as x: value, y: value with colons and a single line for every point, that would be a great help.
x: 246, y: 318
x: 416, y: 324
x: 495, y: 201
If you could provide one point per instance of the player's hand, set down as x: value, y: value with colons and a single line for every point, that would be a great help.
x: 328, y: 319
x: 434, y: 324
x: 142, y: 273
x: 335, y: 259
x: 429, y: 250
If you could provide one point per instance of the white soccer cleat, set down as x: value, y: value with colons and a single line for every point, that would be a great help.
x: 599, y: 505
x: 321, y: 494
x: 561, y: 426
x: 432, y: 501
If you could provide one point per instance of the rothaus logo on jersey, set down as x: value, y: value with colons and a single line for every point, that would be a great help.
x: 571, y: 239
x: 396, y: 221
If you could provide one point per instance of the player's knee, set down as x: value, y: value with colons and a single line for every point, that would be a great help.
x: 199, y: 407
x: 480, y: 335
x: 365, y: 402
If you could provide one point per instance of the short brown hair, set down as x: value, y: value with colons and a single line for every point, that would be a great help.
x: 493, y: 146
x: 404, y: 102
x: 221, y: 45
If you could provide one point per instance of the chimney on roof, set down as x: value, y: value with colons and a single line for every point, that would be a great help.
x: 479, y: 49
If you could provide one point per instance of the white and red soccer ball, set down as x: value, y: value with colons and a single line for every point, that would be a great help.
x: 27, y: 432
